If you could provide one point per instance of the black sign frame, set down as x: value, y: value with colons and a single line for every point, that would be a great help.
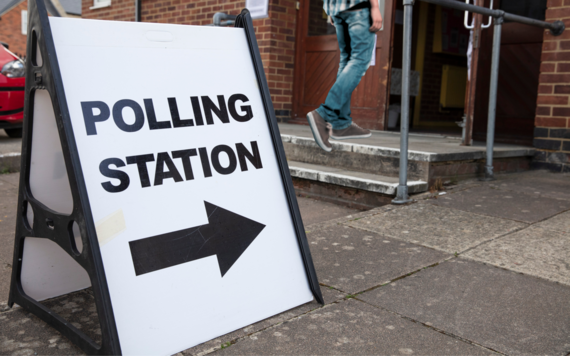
x: 57, y: 227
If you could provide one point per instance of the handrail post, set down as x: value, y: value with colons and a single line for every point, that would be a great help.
x: 402, y: 191
x: 489, y: 175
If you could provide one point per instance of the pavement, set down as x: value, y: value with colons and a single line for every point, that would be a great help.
x: 481, y: 268
x: 10, y: 149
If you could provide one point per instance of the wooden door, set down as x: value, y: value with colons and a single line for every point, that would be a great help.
x: 316, y: 65
x: 519, y: 70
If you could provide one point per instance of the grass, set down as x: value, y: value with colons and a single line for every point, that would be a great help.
x: 226, y: 345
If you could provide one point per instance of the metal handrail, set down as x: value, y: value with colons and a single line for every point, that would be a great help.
x: 556, y: 28
x: 472, y: 26
x: 219, y: 17
x: 466, y: 19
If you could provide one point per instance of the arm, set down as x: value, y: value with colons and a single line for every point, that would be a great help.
x: 376, y: 16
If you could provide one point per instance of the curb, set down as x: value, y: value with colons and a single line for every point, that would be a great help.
x: 10, y: 162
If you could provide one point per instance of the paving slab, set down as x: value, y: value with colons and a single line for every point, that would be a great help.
x: 316, y: 211
x: 351, y: 328
x: 534, y: 251
x: 543, y: 183
x: 10, y: 178
x: 560, y: 222
x: 10, y: 156
x: 9, y: 144
x: 507, y: 204
x: 5, y: 277
x: 330, y: 296
x: 502, y: 310
x: 8, y: 208
x: 441, y: 228
x: 22, y: 333
x: 354, y: 260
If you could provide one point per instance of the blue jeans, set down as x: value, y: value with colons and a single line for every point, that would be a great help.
x: 355, y: 42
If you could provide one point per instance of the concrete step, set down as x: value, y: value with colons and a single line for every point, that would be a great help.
x: 430, y: 157
x: 358, y: 180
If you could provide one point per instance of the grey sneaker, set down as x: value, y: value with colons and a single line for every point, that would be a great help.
x: 321, y: 130
x: 353, y: 131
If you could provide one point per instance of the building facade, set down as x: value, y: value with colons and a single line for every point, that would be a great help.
x: 12, y: 27
x: 14, y: 20
x: 300, y: 56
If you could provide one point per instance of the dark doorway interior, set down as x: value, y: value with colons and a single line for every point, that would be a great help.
x: 519, y: 70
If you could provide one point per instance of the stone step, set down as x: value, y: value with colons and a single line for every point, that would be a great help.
x: 430, y: 157
x: 358, y: 180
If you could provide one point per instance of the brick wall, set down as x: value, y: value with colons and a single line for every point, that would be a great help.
x: 552, y: 122
x: 11, y: 29
x: 120, y: 10
x: 275, y: 35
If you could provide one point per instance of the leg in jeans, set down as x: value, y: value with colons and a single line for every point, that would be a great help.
x: 355, y: 42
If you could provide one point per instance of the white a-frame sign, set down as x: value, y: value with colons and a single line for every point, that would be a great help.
x: 153, y: 172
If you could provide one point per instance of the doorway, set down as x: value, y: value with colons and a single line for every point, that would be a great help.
x: 316, y: 65
x: 439, y: 60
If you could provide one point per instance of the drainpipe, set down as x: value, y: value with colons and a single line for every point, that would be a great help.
x: 138, y: 10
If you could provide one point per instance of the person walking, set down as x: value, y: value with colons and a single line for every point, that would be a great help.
x: 356, y: 23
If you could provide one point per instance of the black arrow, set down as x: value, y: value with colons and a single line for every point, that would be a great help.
x: 226, y: 235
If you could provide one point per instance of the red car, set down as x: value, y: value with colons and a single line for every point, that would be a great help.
x: 12, y: 85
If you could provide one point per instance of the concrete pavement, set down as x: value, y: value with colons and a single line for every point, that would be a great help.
x: 10, y: 149
x: 481, y: 269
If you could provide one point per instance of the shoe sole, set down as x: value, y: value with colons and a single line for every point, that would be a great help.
x: 316, y: 136
x: 349, y: 137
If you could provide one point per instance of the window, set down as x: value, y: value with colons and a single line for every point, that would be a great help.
x: 100, y: 3
x: 24, y: 22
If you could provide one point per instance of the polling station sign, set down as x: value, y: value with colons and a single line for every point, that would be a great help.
x: 179, y: 211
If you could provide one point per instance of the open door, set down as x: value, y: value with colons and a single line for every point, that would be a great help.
x: 519, y: 70
x: 316, y: 66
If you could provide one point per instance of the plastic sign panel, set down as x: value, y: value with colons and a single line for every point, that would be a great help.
x: 177, y: 166
x: 182, y: 180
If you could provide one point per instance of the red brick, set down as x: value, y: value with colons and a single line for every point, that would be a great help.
x: 556, y: 56
x: 554, y: 3
x: 550, y: 45
x: 554, y: 78
x: 557, y: 13
x: 549, y: 122
x: 547, y: 67
x: 552, y: 100
x: 565, y: 45
x: 561, y: 112
x: 562, y: 89
x: 563, y: 68
x: 543, y: 110
x: 545, y: 89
